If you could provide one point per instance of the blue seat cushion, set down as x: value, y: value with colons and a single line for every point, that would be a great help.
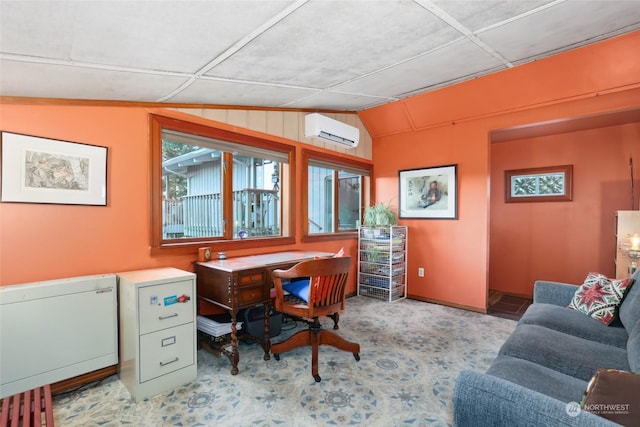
x: 574, y: 323
x: 573, y: 356
x: 538, y: 378
x: 298, y: 287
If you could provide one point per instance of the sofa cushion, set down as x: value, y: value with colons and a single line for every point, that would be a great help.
x: 600, y: 297
x: 633, y: 348
x: 574, y: 323
x: 538, y: 378
x: 630, y: 308
x: 573, y: 356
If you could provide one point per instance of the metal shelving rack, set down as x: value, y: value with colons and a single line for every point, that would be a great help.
x: 382, y: 262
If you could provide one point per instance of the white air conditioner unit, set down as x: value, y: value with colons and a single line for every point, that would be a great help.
x: 322, y: 128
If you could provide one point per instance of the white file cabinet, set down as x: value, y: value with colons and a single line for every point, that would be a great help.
x: 157, y: 330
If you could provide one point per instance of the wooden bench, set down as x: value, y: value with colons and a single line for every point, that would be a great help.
x: 31, y: 408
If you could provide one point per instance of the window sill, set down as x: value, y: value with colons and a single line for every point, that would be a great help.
x: 189, y: 248
x: 309, y: 238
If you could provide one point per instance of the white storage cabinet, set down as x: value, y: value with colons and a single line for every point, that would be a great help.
x: 157, y: 330
x: 382, y: 262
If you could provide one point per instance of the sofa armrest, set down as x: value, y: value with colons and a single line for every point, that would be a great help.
x: 484, y: 400
x: 553, y: 292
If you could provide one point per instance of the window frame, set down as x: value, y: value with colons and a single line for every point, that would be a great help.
x: 337, y: 161
x: 191, y: 245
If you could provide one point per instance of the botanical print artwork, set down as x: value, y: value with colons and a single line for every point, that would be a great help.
x: 538, y: 185
x: 43, y: 170
x: 56, y: 171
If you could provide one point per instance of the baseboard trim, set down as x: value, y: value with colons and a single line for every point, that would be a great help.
x: 448, y: 304
x: 512, y: 294
x: 80, y: 380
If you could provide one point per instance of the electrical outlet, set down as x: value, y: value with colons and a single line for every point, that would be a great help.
x: 420, y: 272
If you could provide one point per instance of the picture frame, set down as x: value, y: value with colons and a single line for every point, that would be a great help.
x: 43, y: 170
x: 429, y: 192
x: 543, y: 184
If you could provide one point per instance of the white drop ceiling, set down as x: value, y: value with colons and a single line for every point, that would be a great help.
x: 310, y: 54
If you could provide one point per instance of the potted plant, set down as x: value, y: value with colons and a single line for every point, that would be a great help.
x: 379, y: 215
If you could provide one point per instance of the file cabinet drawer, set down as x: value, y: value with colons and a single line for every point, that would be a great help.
x: 166, y: 351
x: 164, y: 306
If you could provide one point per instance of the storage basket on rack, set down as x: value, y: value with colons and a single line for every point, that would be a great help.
x: 391, y: 294
x: 382, y: 269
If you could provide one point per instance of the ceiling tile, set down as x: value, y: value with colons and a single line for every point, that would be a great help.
x: 568, y: 24
x: 55, y: 81
x: 328, y: 100
x: 325, y: 43
x: 460, y: 60
x: 475, y: 15
x: 220, y: 92
x: 169, y: 36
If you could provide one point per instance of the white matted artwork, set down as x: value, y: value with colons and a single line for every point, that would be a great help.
x: 429, y: 193
x: 42, y: 170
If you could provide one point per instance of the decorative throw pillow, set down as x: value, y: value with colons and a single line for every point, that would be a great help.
x: 300, y: 286
x: 600, y: 297
x: 613, y: 394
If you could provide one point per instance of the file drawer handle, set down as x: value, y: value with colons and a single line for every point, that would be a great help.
x: 175, y: 359
x: 168, y: 316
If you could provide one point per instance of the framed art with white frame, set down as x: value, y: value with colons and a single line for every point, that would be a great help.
x: 42, y: 170
x: 429, y: 193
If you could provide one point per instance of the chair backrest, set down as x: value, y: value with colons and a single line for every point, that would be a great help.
x: 328, y: 279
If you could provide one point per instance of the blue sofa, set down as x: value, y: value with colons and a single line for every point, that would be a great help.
x: 548, y: 361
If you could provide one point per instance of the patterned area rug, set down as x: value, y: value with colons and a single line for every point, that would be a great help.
x: 411, y: 352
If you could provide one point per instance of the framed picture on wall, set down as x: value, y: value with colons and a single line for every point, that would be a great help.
x: 429, y: 193
x: 546, y: 184
x: 42, y: 170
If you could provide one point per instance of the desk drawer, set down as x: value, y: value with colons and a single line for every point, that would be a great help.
x: 252, y: 277
x: 166, y: 351
x: 251, y: 295
x: 160, y: 306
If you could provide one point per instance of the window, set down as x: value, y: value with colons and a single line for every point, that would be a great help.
x: 213, y: 185
x: 336, y: 191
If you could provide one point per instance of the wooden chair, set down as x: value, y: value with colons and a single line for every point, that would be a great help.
x: 328, y: 279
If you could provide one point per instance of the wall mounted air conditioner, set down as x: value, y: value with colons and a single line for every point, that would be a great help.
x: 322, y: 128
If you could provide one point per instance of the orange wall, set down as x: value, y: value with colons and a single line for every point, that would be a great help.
x: 561, y: 241
x: 454, y: 124
x: 44, y: 241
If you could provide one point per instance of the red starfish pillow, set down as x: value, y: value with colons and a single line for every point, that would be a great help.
x: 600, y: 297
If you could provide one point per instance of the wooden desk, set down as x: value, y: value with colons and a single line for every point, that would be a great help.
x: 244, y: 282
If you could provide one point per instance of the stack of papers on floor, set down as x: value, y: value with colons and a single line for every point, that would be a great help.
x: 213, y: 327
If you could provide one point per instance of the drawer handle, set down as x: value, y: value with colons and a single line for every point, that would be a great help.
x: 175, y: 359
x: 168, y: 316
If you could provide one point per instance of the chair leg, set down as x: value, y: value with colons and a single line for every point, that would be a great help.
x: 299, y: 339
x: 315, y: 343
x: 336, y: 318
x: 335, y: 340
